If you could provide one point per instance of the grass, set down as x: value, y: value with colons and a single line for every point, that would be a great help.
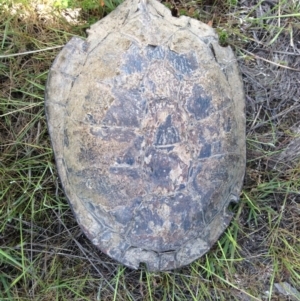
x: 43, y: 253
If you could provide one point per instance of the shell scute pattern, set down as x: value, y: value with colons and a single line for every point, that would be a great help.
x: 150, y: 144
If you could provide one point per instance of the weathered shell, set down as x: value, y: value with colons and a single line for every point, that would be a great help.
x: 147, y: 124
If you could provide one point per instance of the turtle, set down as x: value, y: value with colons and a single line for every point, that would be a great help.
x: 147, y: 124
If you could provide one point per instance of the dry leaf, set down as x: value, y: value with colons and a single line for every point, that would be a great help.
x: 210, y: 23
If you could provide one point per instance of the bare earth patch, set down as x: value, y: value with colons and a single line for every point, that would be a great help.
x: 43, y: 253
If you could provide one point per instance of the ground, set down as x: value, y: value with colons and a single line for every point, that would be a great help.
x: 43, y: 253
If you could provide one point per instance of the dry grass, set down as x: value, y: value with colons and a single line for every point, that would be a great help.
x: 43, y: 253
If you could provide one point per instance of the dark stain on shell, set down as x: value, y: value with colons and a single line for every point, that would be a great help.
x: 151, y: 217
x: 155, y: 53
x: 127, y: 110
x: 199, y: 103
x: 167, y: 133
x: 205, y: 151
x: 183, y: 63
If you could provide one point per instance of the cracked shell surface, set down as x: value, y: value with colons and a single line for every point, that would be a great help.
x: 146, y: 119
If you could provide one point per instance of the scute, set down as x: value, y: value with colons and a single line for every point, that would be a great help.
x: 148, y: 132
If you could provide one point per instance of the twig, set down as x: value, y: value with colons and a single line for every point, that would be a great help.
x: 273, y: 63
x: 29, y: 52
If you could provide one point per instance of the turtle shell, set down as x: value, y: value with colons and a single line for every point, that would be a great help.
x: 147, y: 123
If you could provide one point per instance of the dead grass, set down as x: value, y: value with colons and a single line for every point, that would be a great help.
x: 43, y: 253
